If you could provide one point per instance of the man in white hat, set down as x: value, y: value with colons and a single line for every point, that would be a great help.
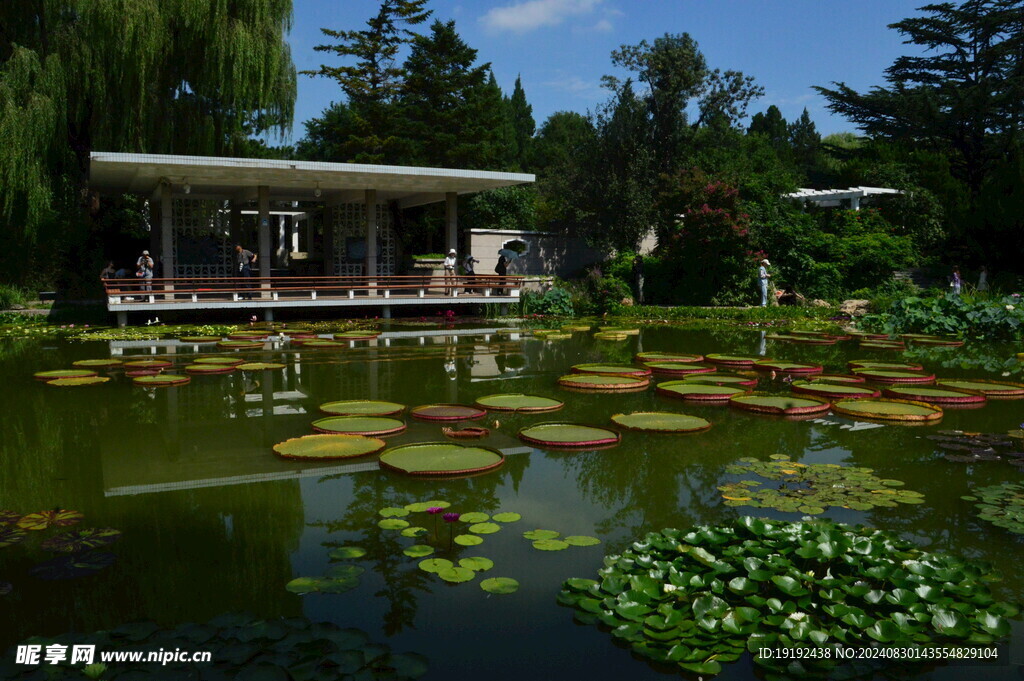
x: 144, y: 270
x: 449, y: 272
x: 762, y: 281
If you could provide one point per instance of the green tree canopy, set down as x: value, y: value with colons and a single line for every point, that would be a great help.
x: 521, y: 113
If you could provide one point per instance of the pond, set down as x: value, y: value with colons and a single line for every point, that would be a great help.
x: 212, y: 522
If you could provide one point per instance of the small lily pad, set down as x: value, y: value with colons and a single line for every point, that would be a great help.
x: 435, y: 564
x: 345, y: 571
x: 468, y: 540
x: 541, y: 534
x: 76, y: 382
x: 418, y: 550
x: 507, y: 517
x: 581, y: 540
x: 500, y: 585
x: 484, y: 528
x: 393, y: 512
x: 81, y: 540
x: 456, y: 574
x: 345, y: 552
x: 414, y: 531
x: 550, y: 545
x: 474, y: 517
x: 392, y: 524
x: 477, y: 563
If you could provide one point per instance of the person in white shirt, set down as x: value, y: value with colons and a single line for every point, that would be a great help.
x: 449, y: 272
x: 762, y: 281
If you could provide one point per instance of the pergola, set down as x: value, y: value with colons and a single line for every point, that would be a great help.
x: 831, y: 198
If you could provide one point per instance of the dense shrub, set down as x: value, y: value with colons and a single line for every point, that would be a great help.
x: 11, y: 296
x: 965, y: 316
x: 555, y: 301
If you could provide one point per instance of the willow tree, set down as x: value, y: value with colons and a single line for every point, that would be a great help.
x: 157, y: 76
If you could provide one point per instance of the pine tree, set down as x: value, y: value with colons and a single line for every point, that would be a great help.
x: 805, y: 141
x: 523, y: 125
x: 772, y: 125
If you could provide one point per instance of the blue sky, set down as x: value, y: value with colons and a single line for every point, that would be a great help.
x: 561, y: 47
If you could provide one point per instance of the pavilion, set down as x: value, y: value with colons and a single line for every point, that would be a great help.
x: 835, y: 198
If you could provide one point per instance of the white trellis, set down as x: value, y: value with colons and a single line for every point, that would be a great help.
x: 201, y: 238
x: 349, y: 222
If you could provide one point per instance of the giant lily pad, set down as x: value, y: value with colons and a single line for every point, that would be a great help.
x: 661, y: 357
x: 888, y: 409
x: 44, y: 519
x: 447, y: 412
x: 359, y: 425
x: 732, y: 360
x: 239, y: 345
x: 937, y: 341
x: 1002, y: 505
x: 364, y: 334
x: 780, y: 404
x: 606, y: 336
x: 85, y: 539
x: 604, y: 383
x: 440, y: 458
x: 699, y: 392
x: 97, y: 363
x: 362, y: 408
x: 249, y: 336
x: 885, y: 366
x: 661, y: 422
x: 202, y: 369
x: 261, y: 366
x: 716, y: 590
x: 518, y: 402
x: 619, y: 329
x: 326, y: 447
x: 993, y: 389
x: 840, y: 378
x: 787, y: 367
x: 679, y: 368
x: 567, y: 435
x: 55, y: 374
x: 320, y: 343
x: 500, y: 585
x: 147, y: 364
x: 610, y: 369
x: 832, y: 390
x: 199, y: 339
x: 76, y: 382
x: 894, y: 376
x: 219, y: 361
x: 160, y: 380
x: 934, y: 395
x: 733, y: 380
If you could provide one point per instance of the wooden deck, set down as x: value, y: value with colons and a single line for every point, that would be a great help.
x: 270, y: 293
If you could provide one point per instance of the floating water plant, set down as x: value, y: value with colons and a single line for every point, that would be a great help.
x: 147, y: 364
x: 788, y: 367
x: 619, y: 329
x: 356, y: 335
x: 939, y: 395
x: 604, y: 383
x: 992, y: 389
x: 667, y: 357
x: 938, y: 342
x: 812, y: 488
x: 440, y: 458
x: 261, y: 366
x: 698, y: 392
x: 499, y: 585
x: 85, y: 539
x: 732, y: 360
x: 610, y: 369
x: 247, y: 336
x: 894, y: 376
x: 733, y: 380
x: 219, y: 361
x: 45, y: 519
x: 239, y: 345
x: 447, y: 412
x: 550, y: 540
x: 518, y: 402
x: 324, y: 447
x: 568, y: 435
x: 359, y: 425
x: 661, y: 422
x: 77, y: 382
x: 362, y: 407
x: 161, y: 380
x: 702, y: 597
x: 839, y: 378
x: 199, y: 339
x: 1002, y: 505
x: 97, y: 363
x: 678, y: 368
x: 888, y: 409
x: 780, y: 404
x: 962, y: 447
x: 832, y: 390
x: 875, y: 364
x: 55, y: 374
x: 203, y: 369
x: 607, y: 336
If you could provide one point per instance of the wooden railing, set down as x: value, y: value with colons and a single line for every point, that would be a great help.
x: 196, y: 289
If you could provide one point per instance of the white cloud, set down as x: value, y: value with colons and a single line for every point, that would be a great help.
x: 534, y: 14
x: 575, y: 86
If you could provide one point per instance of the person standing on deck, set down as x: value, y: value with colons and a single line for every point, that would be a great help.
x: 144, y: 271
x: 762, y: 281
x: 467, y: 266
x: 246, y: 259
x: 449, y: 272
x: 501, y: 269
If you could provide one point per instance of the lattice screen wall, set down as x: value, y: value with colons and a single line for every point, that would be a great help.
x: 201, y: 238
x: 349, y: 221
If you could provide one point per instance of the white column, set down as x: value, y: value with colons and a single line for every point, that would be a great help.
x: 370, y: 201
x: 263, y: 221
x: 451, y: 221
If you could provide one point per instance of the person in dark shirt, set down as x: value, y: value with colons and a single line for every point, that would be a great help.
x: 246, y: 259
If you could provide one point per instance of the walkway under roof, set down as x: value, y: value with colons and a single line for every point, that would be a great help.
x: 831, y: 198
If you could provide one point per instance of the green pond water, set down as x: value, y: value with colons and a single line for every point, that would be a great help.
x: 214, y: 522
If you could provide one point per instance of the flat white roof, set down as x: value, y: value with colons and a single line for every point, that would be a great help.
x: 816, y: 195
x: 295, y: 180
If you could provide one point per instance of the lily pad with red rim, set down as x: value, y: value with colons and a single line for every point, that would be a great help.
x: 83, y: 539
x: 359, y: 425
x: 326, y: 447
x: 885, y: 366
x: 199, y: 339
x: 240, y: 345
x: 219, y: 361
x: 77, y: 382
x: 518, y: 402
x: 661, y: 422
x: 260, y: 366
x: 833, y: 390
x: 991, y: 389
x: 698, y: 392
x: 602, y: 335
x: 881, y: 345
x: 657, y: 356
x: 148, y: 364
x: 780, y: 404
x: 56, y: 518
x: 888, y: 409
x: 356, y: 335
x: 320, y: 343
x: 610, y: 369
x: 572, y: 435
x: 604, y: 383
x: 135, y: 373
x: 362, y: 408
x: 55, y: 374
x: 733, y: 380
x: 440, y: 458
x: 934, y: 395
x: 447, y: 412
x: 261, y: 337
x: 894, y: 376
x: 161, y: 380
x: 731, y: 360
x: 788, y: 367
x: 97, y: 363
x: 839, y: 378
x: 679, y: 369
x: 208, y: 369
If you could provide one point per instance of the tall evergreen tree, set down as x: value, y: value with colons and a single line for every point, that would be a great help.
x: 372, y: 84
x: 523, y: 125
x: 772, y: 125
x: 805, y: 142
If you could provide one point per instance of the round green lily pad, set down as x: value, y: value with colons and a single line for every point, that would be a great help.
x: 656, y: 356
x: 224, y: 361
x: 447, y: 412
x: 679, y: 368
x: 440, y: 458
x: 418, y: 550
x: 422, y: 506
x: 661, y: 422
x: 477, y: 563
x: 435, y: 564
x: 612, y: 369
x: 474, y: 517
x: 581, y: 540
x: 73, y: 382
x: 392, y: 524
x: 320, y: 343
x: 484, y: 528
x: 931, y: 395
x: 888, y: 409
x: 500, y: 585
x: 733, y: 360
x: 788, y: 367
x: 200, y: 369
x: 629, y: 331
x: 414, y: 531
x: 894, y: 376
x: 306, y: 585
x: 885, y: 366
x: 393, y: 512
x: 199, y: 339
x: 541, y: 534
x: 456, y: 575
x: 985, y: 387
x: 161, y: 380
x: 518, y: 402
x: 239, y: 345
x: 261, y: 366
x: 63, y: 373
x: 780, y: 404
x: 550, y: 545
x: 732, y: 380
x: 246, y: 336
x: 147, y: 364
x: 607, y: 335
x: 357, y: 335
x: 328, y: 447
x: 830, y: 390
x: 359, y: 425
x: 568, y: 435
x: 97, y: 363
x: 362, y: 408
x: 604, y: 382
x: 468, y: 540
x: 840, y: 378
x: 346, y: 552
x: 506, y: 517
x: 701, y: 392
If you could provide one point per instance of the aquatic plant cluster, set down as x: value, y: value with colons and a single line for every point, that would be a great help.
x: 1002, y: 505
x: 704, y: 596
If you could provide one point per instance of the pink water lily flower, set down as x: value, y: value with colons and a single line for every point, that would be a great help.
x: 434, y: 510
x: 450, y: 517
